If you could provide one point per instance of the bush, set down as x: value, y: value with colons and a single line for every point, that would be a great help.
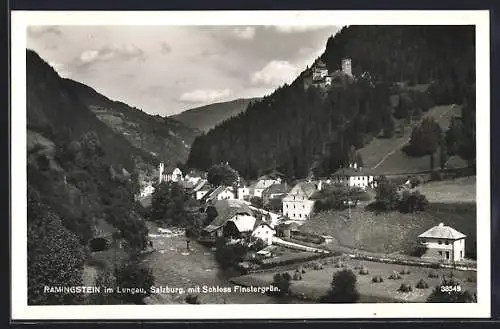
x: 297, y: 276
x: 363, y: 271
x: 405, y: 287
x: 192, y: 299
x: 343, y: 288
x: 422, y: 284
x: 317, y: 266
x: 433, y: 275
x: 282, y: 282
x: 395, y: 275
x: 358, y: 267
x: 377, y: 279
x: 134, y: 275
x: 339, y: 264
x: 415, y: 249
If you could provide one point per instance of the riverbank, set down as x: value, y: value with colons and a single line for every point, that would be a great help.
x: 175, y: 267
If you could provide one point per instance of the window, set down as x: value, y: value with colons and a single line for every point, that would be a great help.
x: 440, y: 253
x: 303, y: 206
x: 446, y: 243
x: 440, y: 242
x: 300, y: 215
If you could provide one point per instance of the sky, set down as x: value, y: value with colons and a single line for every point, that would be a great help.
x: 168, y: 69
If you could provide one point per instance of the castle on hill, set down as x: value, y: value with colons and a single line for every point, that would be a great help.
x: 320, y: 77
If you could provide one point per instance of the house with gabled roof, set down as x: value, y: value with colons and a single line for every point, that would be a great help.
x: 228, y: 210
x: 219, y: 193
x: 263, y: 183
x: 275, y: 191
x: 355, y: 176
x: 444, y: 243
x: 298, y: 203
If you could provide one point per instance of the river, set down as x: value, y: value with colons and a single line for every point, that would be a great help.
x: 176, y: 267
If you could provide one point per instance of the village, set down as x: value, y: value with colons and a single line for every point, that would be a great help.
x: 268, y: 216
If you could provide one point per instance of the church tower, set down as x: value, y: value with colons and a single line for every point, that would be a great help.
x: 346, y: 66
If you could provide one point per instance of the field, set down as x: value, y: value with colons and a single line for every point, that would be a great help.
x: 449, y: 191
x: 391, y: 232
x: 386, y: 156
x: 315, y: 283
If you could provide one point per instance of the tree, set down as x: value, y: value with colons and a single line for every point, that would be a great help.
x: 413, y: 202
x: 167, y: 204
x: 229, y: 255
x: 454, y: 136
x: 343, y: 288
x: 55, y: 257
x: 425, y: 140
x: 222, y: 174
x: 256, y: 201
x: 134, y: 276
x: 282, y: 282
x: 386, y: 197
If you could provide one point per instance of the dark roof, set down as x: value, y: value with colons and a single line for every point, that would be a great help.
x: 354, y: 172
x: 227, y: 209
x: 277, y: 188
x: 309, y: 188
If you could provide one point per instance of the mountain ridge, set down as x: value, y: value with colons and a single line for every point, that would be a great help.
x: 208, y: 116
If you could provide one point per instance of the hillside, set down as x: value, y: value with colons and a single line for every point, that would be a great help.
x: 206, y: 117
x: 385, y: 155
x: 81, y: 175
x: 302, y: 131
x: 55, y: 111
x: 166, y: 139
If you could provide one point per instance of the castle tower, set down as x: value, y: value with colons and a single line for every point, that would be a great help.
x: 161, y: 170
x: 346, y: 66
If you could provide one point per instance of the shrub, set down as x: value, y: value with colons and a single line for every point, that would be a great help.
x: 339, y: 264
x: 363, y: 271
x: 343, y: 288
x: 192, y: 299
x: 282, y: 282
x: 405, y: 287
x: 395, y: 275
x: 297, y: 276
x: 358, y: 267
x: 422, y: 284
x: 317, y: 266
x: 134, y: 275
x: 377, y: 279
x: 433, y: 275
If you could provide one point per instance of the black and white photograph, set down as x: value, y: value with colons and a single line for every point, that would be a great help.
x: 322, y: 163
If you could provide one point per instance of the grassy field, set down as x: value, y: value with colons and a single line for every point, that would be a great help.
x: 391, y: 232
x: 315, y: 283
x: 462, y: 189
x: 386, y: 156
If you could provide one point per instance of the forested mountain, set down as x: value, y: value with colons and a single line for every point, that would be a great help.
x: 167, y: 139
x: 206, y: 117
x: 301, y: 131
x: 80, y: 174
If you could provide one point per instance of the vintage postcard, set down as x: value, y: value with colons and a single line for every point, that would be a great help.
x: 250, y: 165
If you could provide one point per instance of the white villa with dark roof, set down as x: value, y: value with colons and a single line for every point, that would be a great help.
x: 444, y: 243
x: 355, y: 176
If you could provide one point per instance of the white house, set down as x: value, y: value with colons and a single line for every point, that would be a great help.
x: 243, y: 192
x: 202, y: 192
x: 220, y: 193
x: 147, y: 190
x: 355, y: 176
x: 443, y: 243
x: 263, y: 183
x: 297, y: 204
x: 265, y: 233
x: 166, y: 176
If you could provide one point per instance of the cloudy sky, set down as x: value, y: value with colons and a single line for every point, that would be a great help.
x: 165, y: 70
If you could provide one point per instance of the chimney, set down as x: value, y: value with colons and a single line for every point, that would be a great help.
x: 320, y: 185
x: 355, y: 165
x: 441, y: 225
